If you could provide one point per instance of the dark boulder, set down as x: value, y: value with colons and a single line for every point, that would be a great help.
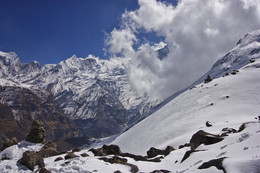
x: 48, y: 152
x: 208, y: 124
x: 37, y: 133
x: 58, y: 159
x: 152, y: 152
x: 84, y: 155
x: 70, y: 156
x: 31, y: 159
x: 112, y: 149
x: 77, y: 149
x: 202, y: 137
x: 208, y: 79
x: 114, y: 159
x: 218, y: 163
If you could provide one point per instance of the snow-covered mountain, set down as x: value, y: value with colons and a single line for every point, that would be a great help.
x: 95, y: 93
x: 213, y: 126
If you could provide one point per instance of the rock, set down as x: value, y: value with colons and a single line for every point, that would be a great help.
x: 107, y: 150
x: 185, y: 145
x: 208, y: 124
x: 76, y: 149
x: 114, y: 159
x: 208, y: 79
x: 84, y: 155
x: 31, y: 159
x: 112, y: 149
x: 58, y: 159
x: 70, y: 156
x: 48, y: 152
x: 44, y: 170
x: 155, y: 152
x: 8, y: 143
x: 37, y: 133
x: 252, y: 60
x: 168, y: 150
x: 242, y: 127
x: 49, y: 144
x: 152, y: 152
x: 218, y: 163
x: 202, y: 137
x: 97, y: 152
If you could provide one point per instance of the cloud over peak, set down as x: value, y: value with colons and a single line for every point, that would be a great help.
x: 197, y: 33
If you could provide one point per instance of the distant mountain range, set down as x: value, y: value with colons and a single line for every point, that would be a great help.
x: 94, y: 95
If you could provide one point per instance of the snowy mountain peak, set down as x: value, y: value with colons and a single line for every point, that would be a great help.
x: 248, y: 38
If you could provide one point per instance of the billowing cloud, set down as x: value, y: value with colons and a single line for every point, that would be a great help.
x: 197, y: 33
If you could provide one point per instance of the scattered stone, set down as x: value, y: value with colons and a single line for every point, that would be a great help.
x: 252, y: 60
x: 218, y: 163
x: 31, y: 159
x: 227, y: 97
x: 208, y: 124
x: 211, y: 104
x: 76, y: 149
x: 58, y: 159
x: 234, y: 72
x: 9, y: 142
x: 117, y: 171
x: 37, y: 133
x: 226, y: 74
x: 208, y: 79
x: 70, y: 156
x: 202, y: 137
x: 242, y: 127
x: 84, y: 155
x: 97, y: 152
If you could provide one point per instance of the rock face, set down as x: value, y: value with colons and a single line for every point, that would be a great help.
x: 20, y: 106
x: 37, y: 133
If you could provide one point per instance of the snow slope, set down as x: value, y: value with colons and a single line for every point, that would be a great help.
x: 236, y: 100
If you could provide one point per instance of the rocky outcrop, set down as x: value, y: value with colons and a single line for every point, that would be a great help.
x: 155, y: 152
x: 31, y: 159
x: 8, y: 143
x: 218, y: 163
x: 202, y: 137
x: 37, y: 133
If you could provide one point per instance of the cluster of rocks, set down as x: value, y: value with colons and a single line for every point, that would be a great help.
x: 152, y: 154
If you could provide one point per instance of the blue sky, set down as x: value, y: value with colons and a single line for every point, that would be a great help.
x: 52, y: 30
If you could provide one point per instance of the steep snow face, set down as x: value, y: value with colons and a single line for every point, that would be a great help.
x: 247, y: 49
x: 226, y: 101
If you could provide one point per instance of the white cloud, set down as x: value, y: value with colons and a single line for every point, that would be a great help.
x: 197, y: 32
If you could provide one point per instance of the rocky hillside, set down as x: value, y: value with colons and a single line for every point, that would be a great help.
x: 20, y: 106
